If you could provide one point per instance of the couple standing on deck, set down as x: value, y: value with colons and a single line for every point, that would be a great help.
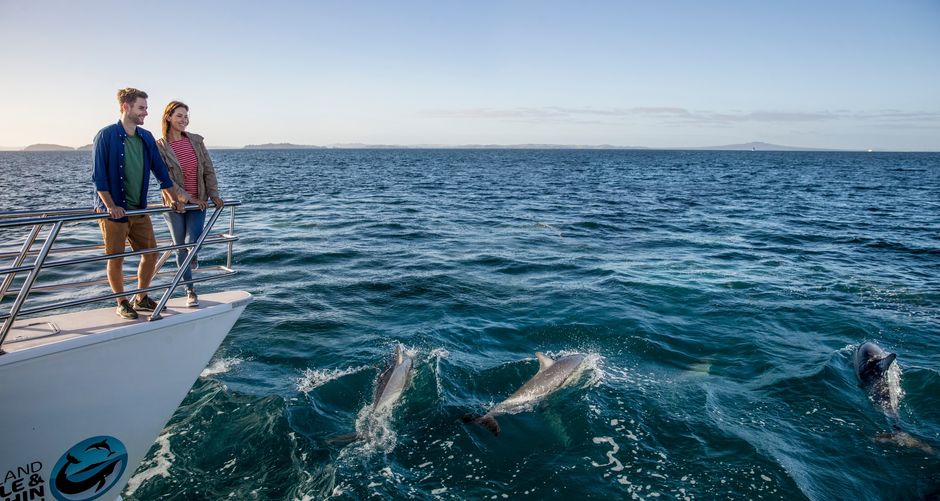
x: 125, y: 154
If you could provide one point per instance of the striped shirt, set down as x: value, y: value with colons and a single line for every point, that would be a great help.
x: 187, y: 157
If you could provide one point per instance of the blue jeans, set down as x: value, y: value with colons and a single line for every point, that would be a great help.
x: 186, y: 226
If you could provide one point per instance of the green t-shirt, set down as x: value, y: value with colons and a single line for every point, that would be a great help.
x: 133, y: 171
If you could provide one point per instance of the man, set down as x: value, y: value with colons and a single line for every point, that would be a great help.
x: 125, y: 154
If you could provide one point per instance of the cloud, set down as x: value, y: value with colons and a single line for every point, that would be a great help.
x: 677, y: 115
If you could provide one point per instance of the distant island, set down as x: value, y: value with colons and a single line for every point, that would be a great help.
x: 752, y: 146
x: 757, y: 146
x: 48, y: 147
x: 282, y: 146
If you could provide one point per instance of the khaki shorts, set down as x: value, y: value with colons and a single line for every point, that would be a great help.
x: 137, y: 230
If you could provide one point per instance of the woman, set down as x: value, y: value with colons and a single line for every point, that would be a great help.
x: 188, y: 161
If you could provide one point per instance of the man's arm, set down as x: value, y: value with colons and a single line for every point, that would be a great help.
x: 114, y: 210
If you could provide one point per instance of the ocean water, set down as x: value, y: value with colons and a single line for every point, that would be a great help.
x: 719, y: 297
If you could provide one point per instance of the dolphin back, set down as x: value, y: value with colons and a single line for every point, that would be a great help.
x: 393, y: 379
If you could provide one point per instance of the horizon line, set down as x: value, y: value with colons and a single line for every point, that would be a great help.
x: 749, y: 146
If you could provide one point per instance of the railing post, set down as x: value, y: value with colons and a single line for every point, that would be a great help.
x: 231, y: 231
x: 189, y: 257
x: 28, y: 284
x: 28, y: 244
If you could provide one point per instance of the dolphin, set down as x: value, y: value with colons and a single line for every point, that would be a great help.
x: 393, y: 380
x: 102, y: 445
x: 97, y: 480
x: 388, y: 390
x: 873, y: 366
x: 552, y: 375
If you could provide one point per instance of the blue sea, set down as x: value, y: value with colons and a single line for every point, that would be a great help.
x: 718, y: 297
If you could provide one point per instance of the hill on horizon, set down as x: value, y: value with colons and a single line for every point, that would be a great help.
x: 48, y: 147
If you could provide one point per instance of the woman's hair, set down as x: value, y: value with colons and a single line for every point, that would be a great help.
x: 167, y: 112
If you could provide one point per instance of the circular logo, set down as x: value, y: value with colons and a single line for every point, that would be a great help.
x: 88, y: 469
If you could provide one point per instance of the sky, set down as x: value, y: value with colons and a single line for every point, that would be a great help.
x: 854, y: 74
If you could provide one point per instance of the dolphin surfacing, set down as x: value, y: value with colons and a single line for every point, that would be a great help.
x: 388, y: 390
x: 552, y: 375
x: 873, y: 368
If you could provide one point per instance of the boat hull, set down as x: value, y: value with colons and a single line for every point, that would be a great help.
x: 77, y: 416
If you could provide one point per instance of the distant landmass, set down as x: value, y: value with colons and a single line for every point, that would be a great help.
x: 756, y: 146
x: 752, y: 146
x: 282, y: 146
x: 364, y: 146
x: 48, y: 147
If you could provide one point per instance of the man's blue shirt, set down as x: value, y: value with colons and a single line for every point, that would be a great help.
x: 108, y: 171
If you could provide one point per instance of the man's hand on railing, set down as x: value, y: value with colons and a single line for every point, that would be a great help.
x: 115, y: 211
x: 218, y: 201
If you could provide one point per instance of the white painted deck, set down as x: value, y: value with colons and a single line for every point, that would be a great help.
x: 43, y: 331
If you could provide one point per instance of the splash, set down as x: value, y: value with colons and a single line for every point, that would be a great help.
x: 593, y: 366
x: 436, y: 355
x: 221, y: 366
x: 312, y: 379
x: 892, y: 389
x: 159, y: 466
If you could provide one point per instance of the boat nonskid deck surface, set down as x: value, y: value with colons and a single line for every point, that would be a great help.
x: 30, y: 333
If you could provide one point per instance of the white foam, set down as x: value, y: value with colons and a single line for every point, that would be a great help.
x: 311, y: 379
x: 617, y: 465
x: 221, y: 366
x: 159, y: 466
x: 895, y: 392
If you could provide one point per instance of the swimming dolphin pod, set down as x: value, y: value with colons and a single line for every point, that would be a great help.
x: 552, y: 375
x: 873, y: 368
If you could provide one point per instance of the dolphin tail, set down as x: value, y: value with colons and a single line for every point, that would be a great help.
x: 487, y: 421
x: 343, y: 439
x: 903, y: 439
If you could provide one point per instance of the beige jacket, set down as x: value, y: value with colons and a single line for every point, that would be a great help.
x: 208, y: 185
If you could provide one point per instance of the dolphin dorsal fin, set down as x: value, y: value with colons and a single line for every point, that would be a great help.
x: 544, y: 361
x: 399, y: 355
x: 886, y: 362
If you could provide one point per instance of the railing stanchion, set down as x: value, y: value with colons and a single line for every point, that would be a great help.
x: 28, y: 244
x: 231, y: 231
x: 184, y: 265
x: 28, y: 284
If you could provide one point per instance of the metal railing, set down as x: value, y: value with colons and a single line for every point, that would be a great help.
x: 57, y: 218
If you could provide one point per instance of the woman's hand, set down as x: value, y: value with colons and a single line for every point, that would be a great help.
x: 218, y: 201
x: 203, y: 205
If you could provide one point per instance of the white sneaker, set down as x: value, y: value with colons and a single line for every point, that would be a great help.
x: 192, y: 300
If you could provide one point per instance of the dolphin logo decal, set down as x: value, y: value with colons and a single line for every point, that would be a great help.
x: 88, y: 469
x: 102, y: 445
x: 97, y: 480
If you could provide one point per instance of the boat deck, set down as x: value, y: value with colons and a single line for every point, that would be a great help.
x: 40, y: 331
